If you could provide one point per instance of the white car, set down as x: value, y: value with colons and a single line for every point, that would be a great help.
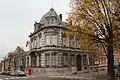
x: 20, y: 73
x: 12, y: 73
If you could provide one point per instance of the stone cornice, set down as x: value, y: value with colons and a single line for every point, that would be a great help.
x: 52, y: 26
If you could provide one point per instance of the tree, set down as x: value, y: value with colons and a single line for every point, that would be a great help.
x: 100, y: 21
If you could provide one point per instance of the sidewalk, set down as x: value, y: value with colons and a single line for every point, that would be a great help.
x: 81, y: 76
x: 85, y: 76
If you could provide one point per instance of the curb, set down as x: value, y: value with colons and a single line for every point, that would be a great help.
x: 73, y: 77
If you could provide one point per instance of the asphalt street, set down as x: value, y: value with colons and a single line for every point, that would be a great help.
x: 3, y: 77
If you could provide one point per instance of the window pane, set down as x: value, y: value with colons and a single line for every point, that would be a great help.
x: 47, y: 38
x: 47, y: 59
x: 52, y: 21
x: 54, y: 40
x: 53, y: 60
x: 48, y: 21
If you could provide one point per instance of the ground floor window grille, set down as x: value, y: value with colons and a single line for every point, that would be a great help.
x: 91, y: 60
x: 53, y: 60
x: 60, y: 60
x: 84, y: 59
x: 47, y: 59
x: 72, y: 60
x: 65, y: 59
x: 34, y: 58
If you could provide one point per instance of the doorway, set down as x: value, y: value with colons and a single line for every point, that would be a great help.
x: 78, y: 62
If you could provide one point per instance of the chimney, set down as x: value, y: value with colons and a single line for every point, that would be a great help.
x: 60, y: 17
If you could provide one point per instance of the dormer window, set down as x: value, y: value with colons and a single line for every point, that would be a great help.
x: 48, y: 21
x: 52, y: 21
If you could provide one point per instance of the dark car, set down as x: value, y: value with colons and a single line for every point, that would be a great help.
x: 2, y: 72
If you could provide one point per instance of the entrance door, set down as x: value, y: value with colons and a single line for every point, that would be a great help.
x: 78, y: 62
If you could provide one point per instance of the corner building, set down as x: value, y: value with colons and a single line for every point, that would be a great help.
x: 51, y: 50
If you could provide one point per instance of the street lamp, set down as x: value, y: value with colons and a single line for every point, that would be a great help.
x: 4, y: 62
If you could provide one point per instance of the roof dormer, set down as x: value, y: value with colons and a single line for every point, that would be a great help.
x: 51, y: 17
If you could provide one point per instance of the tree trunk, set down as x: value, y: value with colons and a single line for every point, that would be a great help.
x: 110, y: 57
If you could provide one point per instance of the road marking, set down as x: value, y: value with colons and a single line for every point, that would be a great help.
x: 12, y: 78
x: 6, y: 78
x: 23, y: 77
x: 17, y: 77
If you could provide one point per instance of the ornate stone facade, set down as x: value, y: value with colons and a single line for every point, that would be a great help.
x: 51, y: 49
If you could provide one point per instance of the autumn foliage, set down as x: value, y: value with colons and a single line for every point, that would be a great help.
x: 97, y: 21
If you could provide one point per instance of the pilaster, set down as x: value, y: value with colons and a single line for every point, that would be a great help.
x: 37, y: 61
x: 30, y: 60
x: 43, y: 60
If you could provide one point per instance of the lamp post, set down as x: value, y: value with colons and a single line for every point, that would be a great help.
x: 4, y: 63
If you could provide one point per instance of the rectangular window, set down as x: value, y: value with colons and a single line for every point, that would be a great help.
x: 53, y: 39
x: 53, y: 60
x: 28, y: 61
x: 60, y: 60
x: 65, y: 59
x: 84, y: 60
x: 72, y: 60
x: 48, y: 21
x: 52, y: 21
x: 47, y: 59
x: 47, y: 38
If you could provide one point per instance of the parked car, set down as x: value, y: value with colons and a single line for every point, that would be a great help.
x: 12, y: 73
x: 5, y: 73
x: 2, y: 72
x: 20, y: 73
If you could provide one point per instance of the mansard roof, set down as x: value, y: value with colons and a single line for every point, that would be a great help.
x: 50, y: 14
x: 43, y: 24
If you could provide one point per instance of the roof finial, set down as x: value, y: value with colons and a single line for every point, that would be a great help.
x: 52, y: 4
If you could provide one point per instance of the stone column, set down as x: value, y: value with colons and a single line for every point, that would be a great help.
x: 50, y: 60
x: 42, y: 39
x: 30, y: 60
x: 43, y: 60
x: 37, y: 42
x: 88, y: 60
x: 57, y: 58
x: 59, y: 39
x: 26, y: 62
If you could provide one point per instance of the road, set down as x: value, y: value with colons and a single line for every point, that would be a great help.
x: 3, y: 77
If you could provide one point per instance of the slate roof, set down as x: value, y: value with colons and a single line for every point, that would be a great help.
x: 51, y: 13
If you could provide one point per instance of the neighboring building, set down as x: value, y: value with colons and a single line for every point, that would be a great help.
x: 101, y: 57
x: 51, y: 50
x: 15, y: 60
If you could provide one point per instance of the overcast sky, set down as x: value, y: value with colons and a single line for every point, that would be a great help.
x: 17, y: 18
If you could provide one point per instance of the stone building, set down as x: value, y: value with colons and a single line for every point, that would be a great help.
x: 16, y: 59
x: 51, y: 50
